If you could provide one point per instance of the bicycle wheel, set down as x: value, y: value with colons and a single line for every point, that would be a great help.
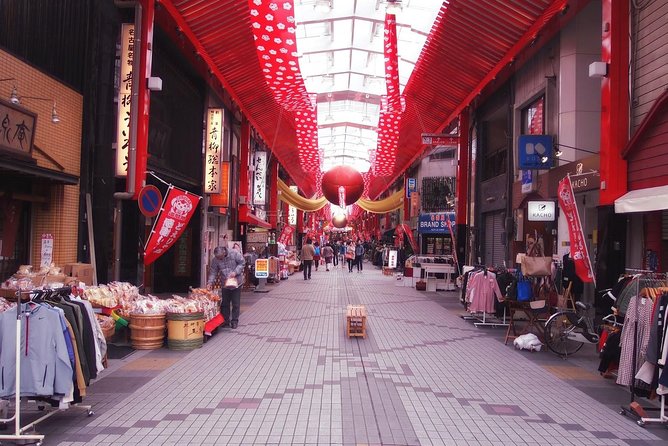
x: 557, y: 329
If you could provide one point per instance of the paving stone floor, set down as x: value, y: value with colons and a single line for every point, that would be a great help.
x: 290, y: 376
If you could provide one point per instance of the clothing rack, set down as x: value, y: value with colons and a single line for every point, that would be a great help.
x: 482, y: 321
x: 19, y: 431
x: 634, y: 408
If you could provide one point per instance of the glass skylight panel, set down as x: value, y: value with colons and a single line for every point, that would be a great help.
x: 341, y: 52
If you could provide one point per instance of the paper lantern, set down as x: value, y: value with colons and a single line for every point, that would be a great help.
x: 339, y: 221
x: 345, y: 176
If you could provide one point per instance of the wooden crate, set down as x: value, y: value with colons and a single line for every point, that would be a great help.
x: 356, y: 320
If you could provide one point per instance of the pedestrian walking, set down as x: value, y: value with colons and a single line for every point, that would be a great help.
x: 328, y: 254
x: 229, y: 266
x: 359, y: 255
x: 336, y: 248
x: 308, y: 252
x: 343, y: 249
x: 316, y: 255
x: 350, y: 255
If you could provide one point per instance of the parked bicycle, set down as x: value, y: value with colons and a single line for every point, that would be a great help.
x: 566, y: 331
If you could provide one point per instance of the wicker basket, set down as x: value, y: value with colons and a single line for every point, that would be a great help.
x: 109, y: 332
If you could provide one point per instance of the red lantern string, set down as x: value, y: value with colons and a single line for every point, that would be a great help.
x: 273, y: 25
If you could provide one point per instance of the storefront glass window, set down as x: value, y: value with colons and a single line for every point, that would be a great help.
x: 533, y: 122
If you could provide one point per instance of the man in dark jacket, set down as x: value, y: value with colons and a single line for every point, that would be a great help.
x: 228, y: 264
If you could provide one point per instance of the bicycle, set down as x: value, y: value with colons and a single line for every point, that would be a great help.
x: 566, y: 331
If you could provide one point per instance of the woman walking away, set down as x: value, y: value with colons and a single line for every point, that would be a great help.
x: 343, y: 249
x: 359, y: 255
x: 328, y: 254
x: 350, y: 255
x: 316, y: 255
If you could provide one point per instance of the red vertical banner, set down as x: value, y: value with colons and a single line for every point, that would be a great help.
x: 286, y: 235
x: 579, y: 252
x: 175, y: 213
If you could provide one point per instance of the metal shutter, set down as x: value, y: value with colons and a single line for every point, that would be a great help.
x: 494, y: 250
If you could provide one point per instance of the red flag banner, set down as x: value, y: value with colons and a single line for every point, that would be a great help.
x: 177, y: 209
x: 286, y: 235
x: 579, y: 252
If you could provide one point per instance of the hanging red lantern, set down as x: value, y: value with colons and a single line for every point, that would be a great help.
x: 342, y: 176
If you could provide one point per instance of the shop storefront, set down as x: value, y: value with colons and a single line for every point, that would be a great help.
x: 646, y: 203
x: 40, y: 152
x: 434, y: 233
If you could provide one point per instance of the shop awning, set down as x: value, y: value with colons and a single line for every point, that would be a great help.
x: 251, y: 219
x: 643, y: 200
x: 13, y: 165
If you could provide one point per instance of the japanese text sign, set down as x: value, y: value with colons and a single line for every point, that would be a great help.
x: 260, y: 178
x: 177, y: 209
x: 213, y: 152
x: 286, y: 235
x: 292, y: 211
x: 17, y: 128
x: 579, y: 252
x: 124, y: 98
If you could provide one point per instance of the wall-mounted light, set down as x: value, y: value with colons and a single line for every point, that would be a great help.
x: 54, y: 115
x: 14, y: 95
x: 598, y: 69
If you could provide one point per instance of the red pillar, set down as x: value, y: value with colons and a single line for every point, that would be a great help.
x: 273, y: 192
x: 462, y: 186
x: 463, y: 168
x: 144, y: 94
x: 614, y: 100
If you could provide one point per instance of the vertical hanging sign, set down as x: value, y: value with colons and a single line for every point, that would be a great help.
x: 579, y: 252
x: 292, y: 211
x: 124, y: 98
x: 260, y: 178
x: 214, y: 143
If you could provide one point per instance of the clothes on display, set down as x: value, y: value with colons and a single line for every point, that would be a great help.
x: 482, y: 287
x: 61, y: 346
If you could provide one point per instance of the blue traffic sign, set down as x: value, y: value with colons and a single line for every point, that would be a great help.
x: 535, y: 152
x: 149, y: 200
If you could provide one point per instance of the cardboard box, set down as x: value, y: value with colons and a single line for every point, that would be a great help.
x: 82, y: 271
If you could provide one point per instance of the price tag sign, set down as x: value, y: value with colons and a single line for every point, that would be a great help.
x: 262, y: 268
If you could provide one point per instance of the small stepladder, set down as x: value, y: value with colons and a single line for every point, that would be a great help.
x: 356, y: 321
x: 569, y: 302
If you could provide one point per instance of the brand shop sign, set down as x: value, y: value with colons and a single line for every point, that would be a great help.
x: 435, y: 222
x: 541, y: 211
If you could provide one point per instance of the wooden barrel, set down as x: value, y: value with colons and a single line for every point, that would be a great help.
x: 185, y: 331
x: 147, y: 331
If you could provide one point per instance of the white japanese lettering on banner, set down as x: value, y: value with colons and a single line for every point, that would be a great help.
x: 177, y: 209
x: 578, y: 252
x: 124, y: 98
x: 213, y: 153
x: 260, y: 178
x: 292, y: 211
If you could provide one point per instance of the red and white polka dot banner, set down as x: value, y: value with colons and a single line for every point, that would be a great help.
x: 273, y: 25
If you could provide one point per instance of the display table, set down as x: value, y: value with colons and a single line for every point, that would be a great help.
x: 534, y: 324
x: 430, y: 271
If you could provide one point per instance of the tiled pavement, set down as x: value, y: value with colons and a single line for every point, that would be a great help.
x: 289, y: 376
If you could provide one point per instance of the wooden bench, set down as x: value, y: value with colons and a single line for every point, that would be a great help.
x: 356, y: 320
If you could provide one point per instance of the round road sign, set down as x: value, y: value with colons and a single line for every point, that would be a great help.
x: 149, y: 200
